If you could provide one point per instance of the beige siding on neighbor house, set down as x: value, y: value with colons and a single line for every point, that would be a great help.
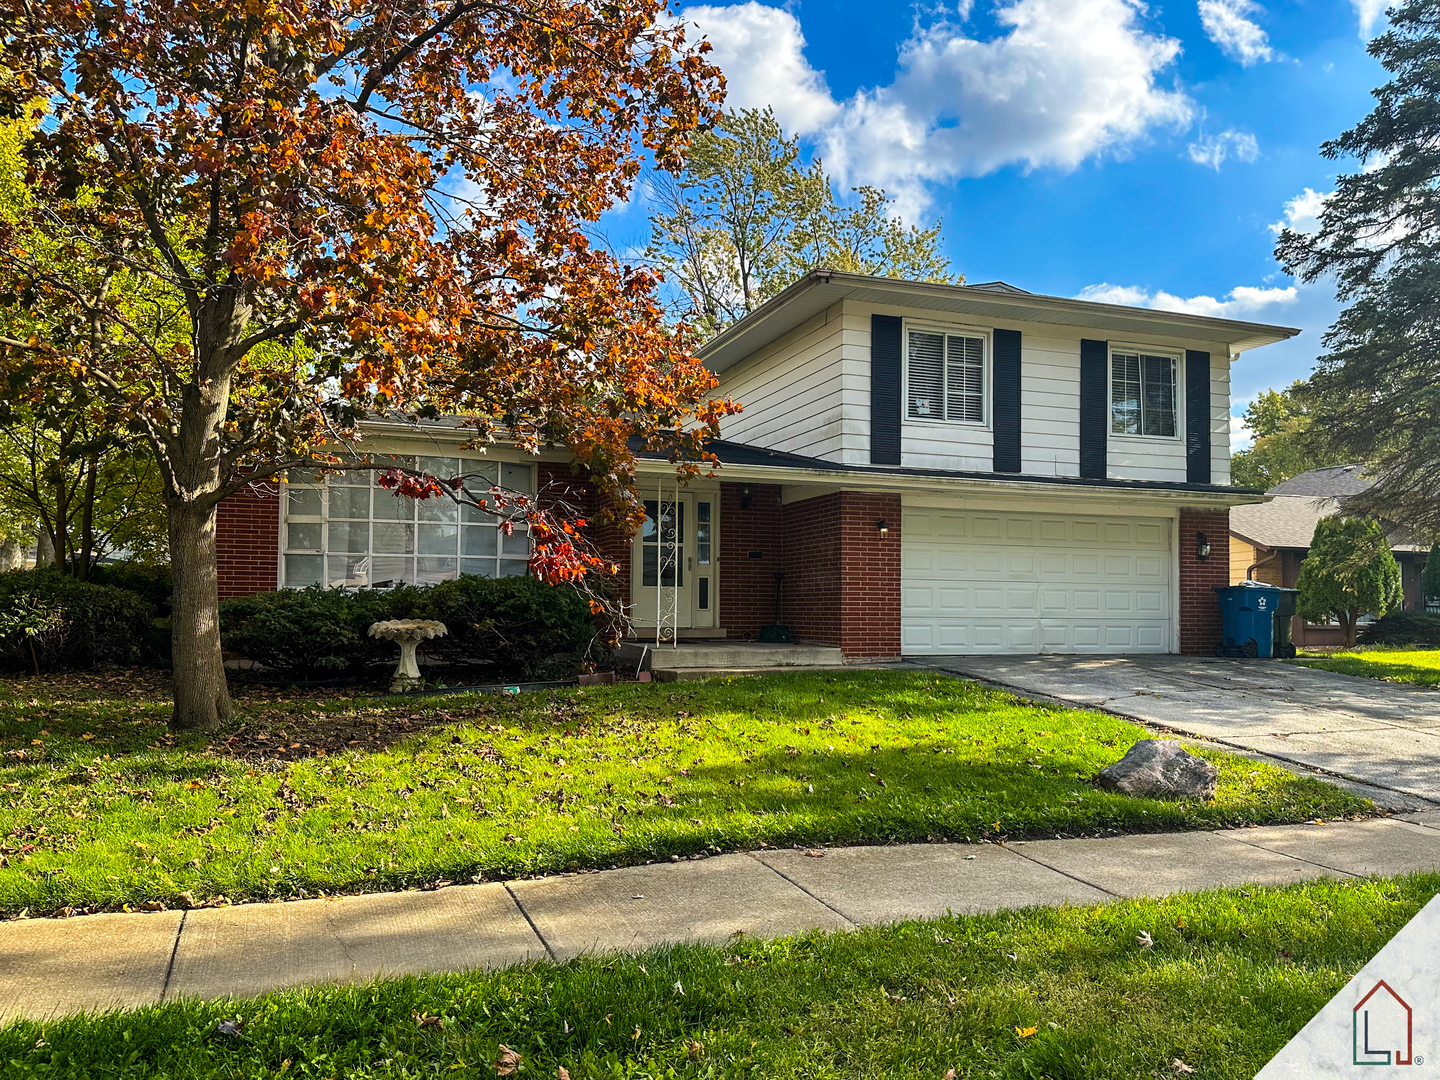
x: 805, y: 393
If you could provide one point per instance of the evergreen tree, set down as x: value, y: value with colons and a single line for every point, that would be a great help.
x: 1348, y: 573
x: 1376, y: 391
x: 1430, y: 582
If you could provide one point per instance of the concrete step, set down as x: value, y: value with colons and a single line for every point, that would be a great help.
x: 688, y: 674
x: 734, y: 654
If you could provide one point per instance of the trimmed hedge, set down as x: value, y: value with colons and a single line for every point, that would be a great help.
x: 1403, y: 628
x: 50, y: 619
x: 510, y: 627
x: 154, y: 583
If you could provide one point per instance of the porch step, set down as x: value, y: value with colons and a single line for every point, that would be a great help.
x: 743, y: 654
x: 671, y: 674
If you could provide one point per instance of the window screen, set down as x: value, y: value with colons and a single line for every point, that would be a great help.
x: 946, y: 377
x: 1142, y: 394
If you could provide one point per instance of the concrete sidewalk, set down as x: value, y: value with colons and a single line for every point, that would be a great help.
x: 49, y: 967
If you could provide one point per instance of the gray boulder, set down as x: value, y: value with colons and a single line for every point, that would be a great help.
x: 1161, y: 769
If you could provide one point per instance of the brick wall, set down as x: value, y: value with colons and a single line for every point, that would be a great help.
x: 751, y: 554
x: 869, y: 575
x: 813, y: 569
x: 1199, y: 610
x: 247, y: 540
x: 557, y: 483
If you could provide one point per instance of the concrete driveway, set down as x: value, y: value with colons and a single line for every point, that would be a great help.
x: 1376, y: 733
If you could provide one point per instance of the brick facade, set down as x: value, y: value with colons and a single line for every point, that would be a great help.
x: 247, y: 541
x: 751, y: 553
x: 813, y: 569
x: 1199, y: 610
x: 869, y: 575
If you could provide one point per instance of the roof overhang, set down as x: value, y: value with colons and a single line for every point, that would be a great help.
x: 820, y: 289
x: 855, y: 478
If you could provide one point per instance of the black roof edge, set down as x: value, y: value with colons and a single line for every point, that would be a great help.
x: 733, y: 453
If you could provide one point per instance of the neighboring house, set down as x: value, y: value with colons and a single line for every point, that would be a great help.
x: 1268, y: 541
x: 919, y: 469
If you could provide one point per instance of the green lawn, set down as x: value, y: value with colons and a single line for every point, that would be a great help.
x: 1393, y: 663
x: 1069, y: 994
x: 100, y: 807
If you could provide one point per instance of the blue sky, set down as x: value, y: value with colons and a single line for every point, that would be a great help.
x: 1138, y: 153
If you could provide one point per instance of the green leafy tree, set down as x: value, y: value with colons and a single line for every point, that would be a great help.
x: 1430, y: 582
x: 1348, y: 573
x: 749, y: 216
x: 1377, y: 388
x: 1285, y: 444
x: 71, y: 478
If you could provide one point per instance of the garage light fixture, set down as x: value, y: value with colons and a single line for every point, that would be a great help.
x: 1202, y: 546
x: 883, y: 528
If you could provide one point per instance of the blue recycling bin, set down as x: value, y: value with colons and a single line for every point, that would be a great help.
x: 1247, y: 618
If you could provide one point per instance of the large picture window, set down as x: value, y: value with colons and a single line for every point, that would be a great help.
x: 1143, y: 394
x: 945, y: 376
x: 347, y: 531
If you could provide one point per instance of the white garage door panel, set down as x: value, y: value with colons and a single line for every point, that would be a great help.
x: 1024, y: 583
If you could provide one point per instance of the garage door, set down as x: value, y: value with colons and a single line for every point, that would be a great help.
x: 980, y: 582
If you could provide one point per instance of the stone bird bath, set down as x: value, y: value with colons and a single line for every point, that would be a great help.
x: 408, y: 633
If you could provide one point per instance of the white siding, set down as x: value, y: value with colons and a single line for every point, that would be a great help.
x: 802, y: 394
x: 809, y: 393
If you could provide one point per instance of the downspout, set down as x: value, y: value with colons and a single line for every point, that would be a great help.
x: 1250, y: 570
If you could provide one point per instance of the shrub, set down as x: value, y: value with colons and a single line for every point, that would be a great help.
x: 1403, y: 628
x: 312, y: 633
x: 154, y: 583
x: 520, y: 626
x: 50, y: 620
x: 512, y: 627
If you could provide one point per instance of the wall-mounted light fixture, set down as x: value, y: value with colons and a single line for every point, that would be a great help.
x: 745, y: 493
x: 1202, y: 546
x: 883, y: 528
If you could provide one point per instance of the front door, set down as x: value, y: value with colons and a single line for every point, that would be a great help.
x: 672, y: 578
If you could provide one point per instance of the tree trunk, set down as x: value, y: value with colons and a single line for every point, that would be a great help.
x: 1349, y: 622
x: 202, y: 700
x: 44, y: 548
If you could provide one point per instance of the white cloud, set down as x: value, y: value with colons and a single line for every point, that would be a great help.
x: 1228, y: 24
x: 1213, y: 150
x: 1369, y: 12
x: 762, y: 52
x: 1242, y: 302
x: 1067, y: 80
x: 1302, y: 213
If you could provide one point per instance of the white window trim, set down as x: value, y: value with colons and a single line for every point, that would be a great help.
x: 986, y: 375
x: 282, y: 546
x: 1178, y: 355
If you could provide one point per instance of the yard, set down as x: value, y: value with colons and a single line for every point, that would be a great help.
x: 1408, y: 664
x: 1071, y: 994
x: 101, y: 807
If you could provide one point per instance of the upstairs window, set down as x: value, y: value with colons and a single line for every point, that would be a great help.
x: 945, y: 377
x: 1143, y: 394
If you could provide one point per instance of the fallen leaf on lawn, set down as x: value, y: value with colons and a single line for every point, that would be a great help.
x: 1180, y: 1066
x: 562, y: 1073
x: 508, y: 1063
x: 949, y: 1075
x: 695, y: 1051
x: 1145, y: 940
x: 1025, y: 1033
x: 424, y: 1020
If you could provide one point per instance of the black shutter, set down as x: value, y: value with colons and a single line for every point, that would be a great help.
x: 1007, y: 401
x: 884, y: 390
x: 1094, y: 358
x: 1197, y: 417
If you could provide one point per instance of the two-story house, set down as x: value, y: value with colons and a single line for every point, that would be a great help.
x: 919, y: 469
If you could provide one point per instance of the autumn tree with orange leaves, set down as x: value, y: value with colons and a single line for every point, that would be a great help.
x: 268, y: 219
